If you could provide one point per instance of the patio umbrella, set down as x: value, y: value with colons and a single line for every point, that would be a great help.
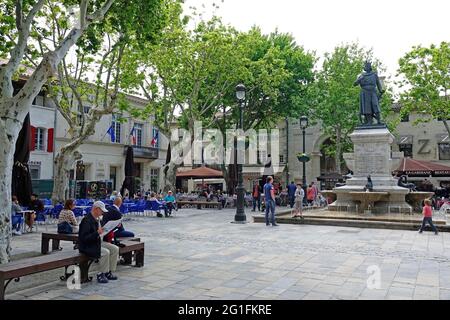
x: 21, y: 179
x: 200, y: 173
x: 128, y: 183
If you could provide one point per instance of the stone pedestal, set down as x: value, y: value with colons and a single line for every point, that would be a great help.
x: 372, y: 156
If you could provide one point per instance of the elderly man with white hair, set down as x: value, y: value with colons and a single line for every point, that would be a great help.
x: 90, y: 243
x: 115, y: 214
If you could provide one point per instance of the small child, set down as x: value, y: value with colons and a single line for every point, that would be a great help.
x: 427, y: 216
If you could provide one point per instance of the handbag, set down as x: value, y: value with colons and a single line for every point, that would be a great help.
x: 64, y: 227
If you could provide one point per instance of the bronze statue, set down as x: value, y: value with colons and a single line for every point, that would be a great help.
x: 369, y: 105
x: 403, y: 182
x: 369, y: 184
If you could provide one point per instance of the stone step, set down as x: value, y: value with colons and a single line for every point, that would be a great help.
x: 355, y: 223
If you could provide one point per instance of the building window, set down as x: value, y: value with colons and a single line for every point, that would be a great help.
x: 281, y: 158
x: 35, y: 171
x: 444, y: 151
x: 116, y: 125
x: 154, y: 179
x: 39, y: 139
x: 138, y: 133
x: 407, y: 149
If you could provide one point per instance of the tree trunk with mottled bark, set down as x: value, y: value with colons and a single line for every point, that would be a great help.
x: 9, y: 132
x: 64, y: 162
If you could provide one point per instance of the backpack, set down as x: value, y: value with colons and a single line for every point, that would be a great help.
x: 65, y: 228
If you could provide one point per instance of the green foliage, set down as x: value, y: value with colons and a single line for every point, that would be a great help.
x: 192, y: 73
x: 276, y: 73
x: 426, y: 81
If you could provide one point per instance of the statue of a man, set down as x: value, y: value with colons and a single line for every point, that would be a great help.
x: 369, y: 105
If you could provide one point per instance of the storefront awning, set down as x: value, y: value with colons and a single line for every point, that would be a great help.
x: 412, y: 167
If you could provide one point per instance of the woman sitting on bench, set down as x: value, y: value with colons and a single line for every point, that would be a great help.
x: 67, y: 215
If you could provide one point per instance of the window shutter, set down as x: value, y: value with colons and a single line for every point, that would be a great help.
x: 50, y: 140
x: 32, y: 144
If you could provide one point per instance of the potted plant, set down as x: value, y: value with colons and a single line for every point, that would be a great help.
x: 303, y: 157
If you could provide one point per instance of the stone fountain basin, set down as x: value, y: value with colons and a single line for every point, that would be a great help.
x: 329, y: 195
x: 368, y: 198
x: 415, y: 198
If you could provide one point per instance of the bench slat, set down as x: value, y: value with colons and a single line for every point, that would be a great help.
x: 131, y: 246
x: 28, y: 266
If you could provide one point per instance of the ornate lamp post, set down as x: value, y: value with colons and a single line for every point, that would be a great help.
x: 304, y: 158
x: 240, y: 214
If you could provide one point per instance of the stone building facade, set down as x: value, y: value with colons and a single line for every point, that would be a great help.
x: 103, y: 157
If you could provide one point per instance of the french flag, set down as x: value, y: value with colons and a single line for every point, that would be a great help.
x: 155, y: 138
x: 133, y: 136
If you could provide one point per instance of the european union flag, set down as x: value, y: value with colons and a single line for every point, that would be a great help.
x: 112, y: 133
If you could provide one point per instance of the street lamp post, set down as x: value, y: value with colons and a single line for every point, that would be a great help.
x: 240, y: 214
x: 303, y: 126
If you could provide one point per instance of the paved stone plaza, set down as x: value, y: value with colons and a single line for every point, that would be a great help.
x: 199, y: 254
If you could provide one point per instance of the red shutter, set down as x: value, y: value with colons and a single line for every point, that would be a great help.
x: 33, y: 136
x: 50, y: 140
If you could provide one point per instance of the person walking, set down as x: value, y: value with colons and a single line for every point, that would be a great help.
x: 291, y: 193
x: 427, y: 216
x: 269, y: 194
x: 299, y: 195
x: 256, y: 195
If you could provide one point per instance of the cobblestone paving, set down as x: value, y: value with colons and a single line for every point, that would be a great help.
x: 201, y: 255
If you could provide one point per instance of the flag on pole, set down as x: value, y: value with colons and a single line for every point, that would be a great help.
x: 133, y: 136
x: 155, y: 138
x: 111, y: 133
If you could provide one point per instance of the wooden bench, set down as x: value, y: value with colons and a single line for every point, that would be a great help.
x: 132, y: 249
x: 200, y: 204
x: 17, y: 269
x: 57, y: 237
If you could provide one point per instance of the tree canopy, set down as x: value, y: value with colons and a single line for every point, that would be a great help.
x: 426, y: 82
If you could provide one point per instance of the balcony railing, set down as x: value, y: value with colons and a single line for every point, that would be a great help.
x: 144, y: 152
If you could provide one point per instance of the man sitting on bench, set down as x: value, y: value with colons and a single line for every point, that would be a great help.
x: 115, y: 214
x: 170, y: 203
x: 90, y: 244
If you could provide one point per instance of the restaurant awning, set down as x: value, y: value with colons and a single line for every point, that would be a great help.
x: 412, y: 167
x: 202, y: 172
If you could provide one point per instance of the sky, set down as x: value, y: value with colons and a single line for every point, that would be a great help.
x: 389, y: 27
